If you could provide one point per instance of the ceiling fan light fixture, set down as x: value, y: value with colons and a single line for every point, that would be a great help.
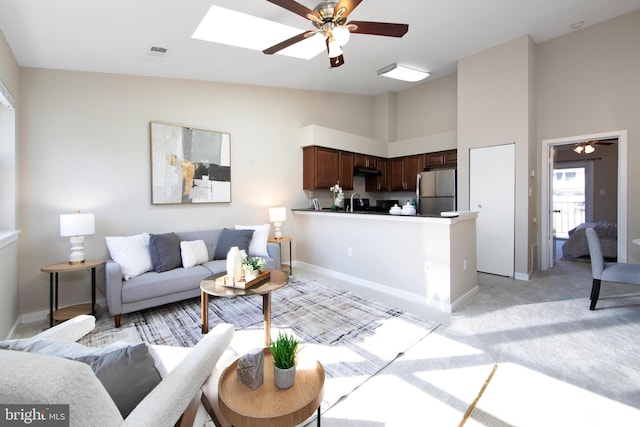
x: 341, y: 35
x: 400, y: 72
x: 588, y: 149
x: 334, y: 49
x: 578, y: 149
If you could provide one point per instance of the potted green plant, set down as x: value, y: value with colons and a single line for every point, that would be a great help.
x: 283, y: 350
x: 252, y: 266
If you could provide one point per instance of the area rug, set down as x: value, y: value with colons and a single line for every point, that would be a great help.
x: 353, y: 337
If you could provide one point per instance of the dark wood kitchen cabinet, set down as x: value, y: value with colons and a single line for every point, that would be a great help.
x: 403, y: 172
x: 320, y: 167
x: 441, y: 159
x: 378, y: 183
x: 364, y: 161
x: 345, y: 170
x: 325, y: 167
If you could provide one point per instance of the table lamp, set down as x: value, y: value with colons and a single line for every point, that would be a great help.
x: 277, y: 216
x: 76, y: 226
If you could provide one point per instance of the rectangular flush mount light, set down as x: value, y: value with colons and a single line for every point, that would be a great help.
x: 401, y: 72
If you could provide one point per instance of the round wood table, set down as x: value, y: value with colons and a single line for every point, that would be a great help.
x: 268, y: 405
x: 210, y: 286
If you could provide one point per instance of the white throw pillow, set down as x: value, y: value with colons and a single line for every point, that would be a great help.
x: 132, y: 253
x: 193, y: 253
x: 258, y: 245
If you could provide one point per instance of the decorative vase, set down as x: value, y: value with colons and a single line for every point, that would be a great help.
x: 284, y: 378
x: 249, y: 275
x: 234, y: 264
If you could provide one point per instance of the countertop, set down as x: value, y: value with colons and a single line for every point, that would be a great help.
x: 462, y: 215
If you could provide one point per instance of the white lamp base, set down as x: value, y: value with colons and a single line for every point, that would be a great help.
x: 277, y: 233
x: 77, y: 250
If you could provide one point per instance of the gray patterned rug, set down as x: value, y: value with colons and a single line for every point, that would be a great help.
x: 353, y: 337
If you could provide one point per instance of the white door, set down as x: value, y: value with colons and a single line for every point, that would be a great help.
x: 492, y: 194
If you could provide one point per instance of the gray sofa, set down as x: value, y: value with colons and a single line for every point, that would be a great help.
x: 151, y: 289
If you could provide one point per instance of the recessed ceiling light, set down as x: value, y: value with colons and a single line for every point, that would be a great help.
x: 400, y: 72
x: 238, y: 29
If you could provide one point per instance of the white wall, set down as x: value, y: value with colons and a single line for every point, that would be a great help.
x: 85, y: 145
x: 588, y: 82
x: 9, y: 73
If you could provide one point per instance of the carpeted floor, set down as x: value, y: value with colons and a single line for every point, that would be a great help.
x: 353, y: 337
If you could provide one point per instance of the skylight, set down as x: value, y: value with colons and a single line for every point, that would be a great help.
x: 238, y: 29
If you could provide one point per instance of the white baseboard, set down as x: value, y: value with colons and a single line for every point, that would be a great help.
x: 387, y: 290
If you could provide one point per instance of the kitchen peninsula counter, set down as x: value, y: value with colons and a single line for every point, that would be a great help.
x: 429, y: 259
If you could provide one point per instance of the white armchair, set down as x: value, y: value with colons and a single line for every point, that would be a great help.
x: 41, y: 379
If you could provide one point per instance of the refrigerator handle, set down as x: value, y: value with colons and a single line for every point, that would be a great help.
x: 418, y: 178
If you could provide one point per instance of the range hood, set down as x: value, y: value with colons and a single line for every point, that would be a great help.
x: 363, y: 171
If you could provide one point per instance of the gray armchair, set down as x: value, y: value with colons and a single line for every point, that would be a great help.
x: 607, y: 271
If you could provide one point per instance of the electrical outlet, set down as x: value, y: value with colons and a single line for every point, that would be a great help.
x: 464, y: 264
x: 349, y: 251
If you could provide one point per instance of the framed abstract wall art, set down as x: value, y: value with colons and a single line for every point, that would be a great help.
x: 189, y: 165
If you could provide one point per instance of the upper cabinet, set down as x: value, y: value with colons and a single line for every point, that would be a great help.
x: 379, y: 182
x: 345, y: 170
x: 364, y: 161
x: 441, y: 159
x: 326, y: 167
x: 403, y: 172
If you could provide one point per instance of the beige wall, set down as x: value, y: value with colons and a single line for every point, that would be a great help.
x: 589, y: 82
x: 494, y: 103
x: 428, y: 109
x: 85, y: 145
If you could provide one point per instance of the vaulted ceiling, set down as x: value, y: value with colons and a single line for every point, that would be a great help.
x: 114, y: 36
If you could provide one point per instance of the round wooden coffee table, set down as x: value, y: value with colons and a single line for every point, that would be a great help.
x: 268, y: 405
x: 209, y: 286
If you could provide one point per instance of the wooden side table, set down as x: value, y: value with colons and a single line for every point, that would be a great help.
x: 268, y: 405
x: 279, y: 242
x: 74, y: 310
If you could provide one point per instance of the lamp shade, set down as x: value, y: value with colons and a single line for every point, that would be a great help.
x: 278, y: 214
x: 77, y: 224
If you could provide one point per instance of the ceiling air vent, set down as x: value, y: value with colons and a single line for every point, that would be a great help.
x: 157, y: 52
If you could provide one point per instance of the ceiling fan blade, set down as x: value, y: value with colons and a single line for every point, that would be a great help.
x: 293, y: 40
x: 294, y: 7
x: 349, y: 5
x: 379, y: 28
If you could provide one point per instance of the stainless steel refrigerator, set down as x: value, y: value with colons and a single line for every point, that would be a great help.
x: 436, y: 191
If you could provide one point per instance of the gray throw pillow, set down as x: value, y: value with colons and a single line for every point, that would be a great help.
x: 230, y: 238
x: 165, y: 252
x: 126, y: 371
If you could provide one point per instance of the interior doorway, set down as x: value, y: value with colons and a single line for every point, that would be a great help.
x: 552, y: 157
x: 572, y: 198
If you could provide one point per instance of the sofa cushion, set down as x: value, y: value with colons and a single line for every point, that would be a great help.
x: 193, y: 253
x: 230, y: 238
x: 132, y: 253
x: 154, y: 285
x: 126, y: 371
x: 210, y: 238
x: 164, y: 250
x: 258, y: 244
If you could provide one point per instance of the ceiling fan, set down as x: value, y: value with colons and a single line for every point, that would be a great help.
x: 329, y: 18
